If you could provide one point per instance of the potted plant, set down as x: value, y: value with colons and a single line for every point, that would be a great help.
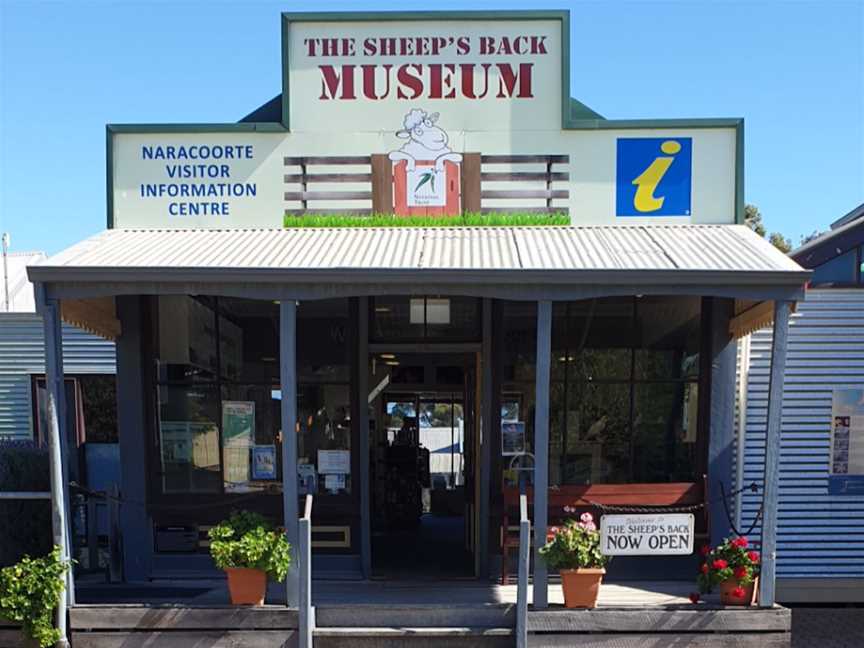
x: 29, y: 594
x: 574, y: 550
x: 249, y: 549
x: 732, y: 566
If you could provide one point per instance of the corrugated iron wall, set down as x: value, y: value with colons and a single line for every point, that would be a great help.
x: 819, y: 535
x: 22, y: 354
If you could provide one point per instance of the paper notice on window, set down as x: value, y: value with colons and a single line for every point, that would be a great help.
x: 334, y: 462
x: 513, y: 438
x: 334, y: 483
x: 264, y: 462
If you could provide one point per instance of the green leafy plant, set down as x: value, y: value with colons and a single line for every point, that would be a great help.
x: 732, y: 559
x: 29, y: 594
x: 574, y: 545
x: 248, y: 540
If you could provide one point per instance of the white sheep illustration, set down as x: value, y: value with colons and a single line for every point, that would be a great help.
x: 426, y: 141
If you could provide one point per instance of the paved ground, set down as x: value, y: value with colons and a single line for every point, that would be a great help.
x: 828, y: 628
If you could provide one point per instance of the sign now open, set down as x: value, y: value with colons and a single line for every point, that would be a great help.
x: 644, y: 535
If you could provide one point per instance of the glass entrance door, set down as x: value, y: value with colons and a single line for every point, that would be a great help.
x: 421, y: 467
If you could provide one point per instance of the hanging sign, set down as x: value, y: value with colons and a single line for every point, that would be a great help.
x: 846, y: 468
x: 647, y: 535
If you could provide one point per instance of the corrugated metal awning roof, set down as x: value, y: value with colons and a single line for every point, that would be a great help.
x: 633, y: 256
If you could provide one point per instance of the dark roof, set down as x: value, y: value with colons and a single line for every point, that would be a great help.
x: 845, y: 234
x: 855, y: 214
x: 270, y: 112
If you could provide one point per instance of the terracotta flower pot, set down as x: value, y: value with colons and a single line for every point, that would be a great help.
x: 246, y: 586
x: 581, y: 586
x: 727, y: 592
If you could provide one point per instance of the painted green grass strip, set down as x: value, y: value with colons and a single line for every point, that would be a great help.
x: 390, y: 220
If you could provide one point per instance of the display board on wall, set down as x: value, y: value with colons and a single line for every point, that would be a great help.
x: 846, y: 467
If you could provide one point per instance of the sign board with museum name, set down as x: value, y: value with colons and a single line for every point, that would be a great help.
x: 647, y: 535
x: 425, y: 114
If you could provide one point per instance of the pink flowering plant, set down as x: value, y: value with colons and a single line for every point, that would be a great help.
x: 574, y: 545
x: 732, y: 559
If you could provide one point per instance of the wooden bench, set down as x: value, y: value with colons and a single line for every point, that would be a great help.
x: 586, y: 498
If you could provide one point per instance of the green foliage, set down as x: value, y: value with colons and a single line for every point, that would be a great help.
x: 248, y: 540
x: 753, y: 219
x: 780, y: 242
x: 732, y: 559
x: 574, y: 545
x: 99, y: 394
x: 25, y: 525
x: 391, y: 220
x: 29, y: 594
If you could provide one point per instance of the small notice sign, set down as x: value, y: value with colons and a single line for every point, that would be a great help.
x: 647, y: 535
x: 334, y: 462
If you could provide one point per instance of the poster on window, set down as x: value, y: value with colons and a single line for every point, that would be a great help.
x: 846, y: 462
x: 513, y: 438
x: 238, y: 427
x: 264, y: 462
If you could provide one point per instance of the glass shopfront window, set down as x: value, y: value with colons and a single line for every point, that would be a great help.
x: 324, y: 398
x: 219, y: 398
x: 516, y: 351
x: 623, y: 392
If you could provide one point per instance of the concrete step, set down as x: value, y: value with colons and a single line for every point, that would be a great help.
x: 416, y: 616
x: 412, y: 637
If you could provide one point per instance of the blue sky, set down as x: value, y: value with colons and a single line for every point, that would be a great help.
x: 793, y: 69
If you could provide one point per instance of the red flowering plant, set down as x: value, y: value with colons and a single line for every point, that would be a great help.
x: 732, y: 559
